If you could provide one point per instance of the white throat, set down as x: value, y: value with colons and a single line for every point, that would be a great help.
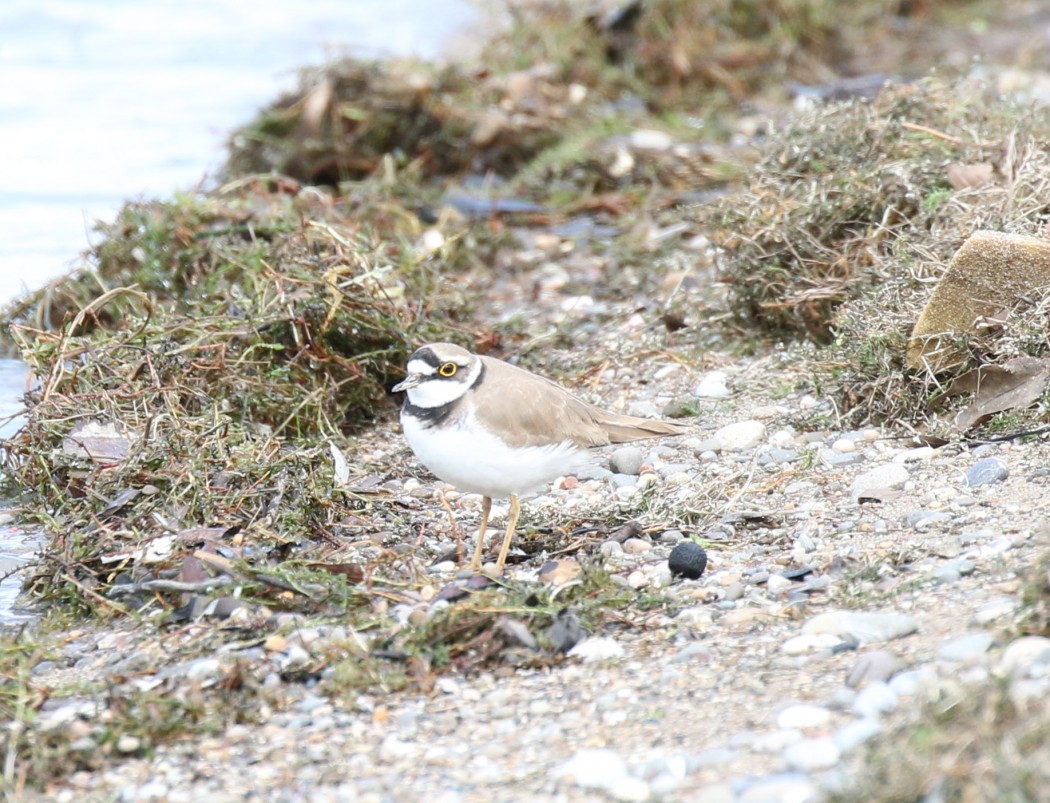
x: 437, y: 392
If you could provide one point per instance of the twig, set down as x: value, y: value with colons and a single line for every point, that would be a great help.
x: 932, y: 132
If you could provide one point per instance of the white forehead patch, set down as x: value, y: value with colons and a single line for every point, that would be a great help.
x: 420, y: 367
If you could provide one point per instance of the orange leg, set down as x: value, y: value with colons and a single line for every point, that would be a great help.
x: 486, y: 507
x: 512, y: 523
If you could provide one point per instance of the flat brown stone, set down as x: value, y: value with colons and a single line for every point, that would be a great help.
x: 986, y: 277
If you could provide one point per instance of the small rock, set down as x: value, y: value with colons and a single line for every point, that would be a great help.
x: 810, y: 642
x: 609, y: 548
x: 712, y: 385
x: 636, y: 546
x: 880, y: 478
x: 787, y: 787
x: 393, y: 749
x: 966, y: 649
x: 740, y: 435
x: 128, y: 744
x: 202, y: 668
x: 873, y: 666
x: 874, y: 700
x: 688, y: 559
x: 597, y: 648
x: 778, y: 584
x: 994, y: 609
x: 920, y: 519
x: 987, y: 471
x: 803, y: 716
x: 809, y: 755
x: 1021, y: 654
x: 694, y: 651
x: 603, y: 770
x: 854, y: 734
x: 627, y: 460
x: 864, y: 628
x: 565, y: 632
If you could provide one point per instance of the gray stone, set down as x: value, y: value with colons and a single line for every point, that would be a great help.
x: 994, y: 609
x: 623, y: 480
x: 738, y: 436
x: 874, y: 700
x: 809, y: 755
x: 712, y: 385
x: 636, y: 546
x: 873, y: 666
x: 602, y: 770
x: 880, y: 478
x: 834, y: 459
x: 803, y: 716
x: 1022, y: 654
x: 853, y: 734
x: 966, y: 649
x: 785, y: 787
x: 863, y: 628
x: 919, y: 519
x: 627, y: 460
x: 694, y: 651
x: 987, y: 471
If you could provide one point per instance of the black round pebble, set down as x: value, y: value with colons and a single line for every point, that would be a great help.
x: 687, y: 559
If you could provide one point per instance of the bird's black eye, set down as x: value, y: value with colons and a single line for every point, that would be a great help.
x: 448, y: 369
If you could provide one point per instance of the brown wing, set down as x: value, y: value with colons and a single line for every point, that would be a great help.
x: 532, y: 411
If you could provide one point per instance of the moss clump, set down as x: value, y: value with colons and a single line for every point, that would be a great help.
x: 844, y: 199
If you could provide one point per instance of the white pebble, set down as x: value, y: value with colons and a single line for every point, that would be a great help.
x: 803, y: 716
x: 712, y: 385
x: 812, y: 754
x: 874, y: 700
x: 597, y: 648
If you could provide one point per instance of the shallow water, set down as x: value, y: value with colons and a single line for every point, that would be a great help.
x: 109, y: 100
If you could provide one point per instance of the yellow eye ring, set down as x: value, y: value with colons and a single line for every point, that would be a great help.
x: 448, y: 369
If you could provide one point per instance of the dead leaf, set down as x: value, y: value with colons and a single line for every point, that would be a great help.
x: 340, y: 468
x: 106, y: 444
x: 1015, y: 385
x: 967, y: 176
x: 559, y: 572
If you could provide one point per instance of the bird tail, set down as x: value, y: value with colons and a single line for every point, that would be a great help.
x: 622, y: 428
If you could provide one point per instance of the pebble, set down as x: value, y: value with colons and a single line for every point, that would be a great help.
x: 636, y: 546
x: 786, y: 788
x: 874, y: 700
x: 810, y: 642
x: 694, y: 651
x: 920, y: 519
x: 597, y: 648
x: 202, y: 668
x: 128, y: 744
x: 873, y: 666
x: 712, y: 385
x: 627, y: 460
x: 810, y: 755
x: 603, y: 770
x: 994, y: 609
x: 864, y: 628
x: 986, y: 472
x: 738, y: 436
x: 853, y: 734
x: 966, y: 649
x: 778, y: 584
x: 880, y: 478
x: 803, y: 716
x: 1021, y: 654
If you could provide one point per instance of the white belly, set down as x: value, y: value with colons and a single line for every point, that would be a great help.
x: 474, y: 460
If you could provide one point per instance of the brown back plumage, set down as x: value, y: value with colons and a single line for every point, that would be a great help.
x: 529, y: 410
